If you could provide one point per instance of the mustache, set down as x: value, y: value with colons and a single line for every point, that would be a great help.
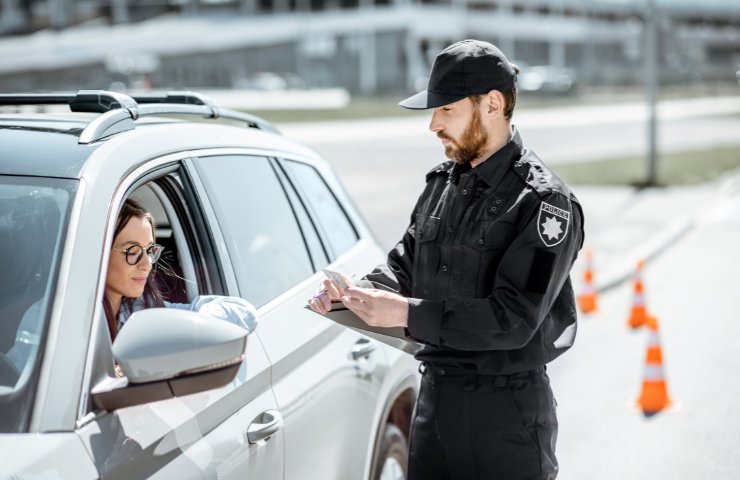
x: 444, y: 137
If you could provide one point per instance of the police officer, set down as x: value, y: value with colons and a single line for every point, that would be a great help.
x: 481, y: 278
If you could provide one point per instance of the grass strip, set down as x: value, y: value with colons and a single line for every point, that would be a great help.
x: 680, y: 168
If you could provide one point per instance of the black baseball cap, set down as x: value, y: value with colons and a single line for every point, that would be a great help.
x: 469, y: 67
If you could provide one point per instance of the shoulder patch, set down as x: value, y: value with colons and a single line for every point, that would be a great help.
x: 552, y: 224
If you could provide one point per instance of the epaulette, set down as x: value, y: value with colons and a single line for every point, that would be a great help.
x: 442, y: 168
x: 537, y: 175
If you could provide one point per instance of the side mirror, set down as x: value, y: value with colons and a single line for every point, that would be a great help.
x: 166, y: 352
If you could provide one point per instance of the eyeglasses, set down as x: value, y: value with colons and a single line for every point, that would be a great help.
x: 135, y: 253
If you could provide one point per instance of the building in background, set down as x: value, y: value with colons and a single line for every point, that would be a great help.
x: 365, y: 46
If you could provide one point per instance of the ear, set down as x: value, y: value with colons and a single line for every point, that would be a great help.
x: 494, y: 103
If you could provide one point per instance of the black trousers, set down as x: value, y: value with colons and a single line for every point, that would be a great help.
x: 483, y: 427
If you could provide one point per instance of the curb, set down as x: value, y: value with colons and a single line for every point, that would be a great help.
x: 656, y: 245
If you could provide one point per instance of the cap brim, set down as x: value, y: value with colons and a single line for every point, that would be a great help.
x: 426, y: 99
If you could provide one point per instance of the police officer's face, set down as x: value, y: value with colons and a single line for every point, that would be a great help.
x: 459, y: 127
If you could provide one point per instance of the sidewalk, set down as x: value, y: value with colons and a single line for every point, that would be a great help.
x: 690, y: 236
x: 625, y: 225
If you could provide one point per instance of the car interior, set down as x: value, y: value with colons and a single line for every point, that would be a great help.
x: 25, y: 223
x: 175, y: 270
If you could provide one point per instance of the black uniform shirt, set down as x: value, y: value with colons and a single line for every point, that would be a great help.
x: 486, y: 262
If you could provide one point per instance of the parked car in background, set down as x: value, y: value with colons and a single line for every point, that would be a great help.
x: 545, y: 79
x: 241, y: 211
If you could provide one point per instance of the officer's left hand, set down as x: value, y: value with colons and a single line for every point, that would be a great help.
x: 377, y: 308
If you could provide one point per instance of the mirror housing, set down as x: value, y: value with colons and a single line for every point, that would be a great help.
x: 166, y: 353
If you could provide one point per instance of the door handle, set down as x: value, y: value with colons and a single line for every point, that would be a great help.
x: 362, y: 349
x: 264, y: 426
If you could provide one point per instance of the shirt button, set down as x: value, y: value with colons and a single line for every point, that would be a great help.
x: 441, y: 371
x: 481, y: 241
x: 492, y: 209
x: 498, y: 201
x: 444, y: 268
x: 464, y: 191
x: 449, y: 229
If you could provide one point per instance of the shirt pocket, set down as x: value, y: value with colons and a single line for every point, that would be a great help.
x: 427, y: 227
x: 427, y: 255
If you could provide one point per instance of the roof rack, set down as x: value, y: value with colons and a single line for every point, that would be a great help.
x: 118, y: 111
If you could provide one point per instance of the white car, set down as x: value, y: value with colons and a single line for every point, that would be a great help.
x: 242, y: 211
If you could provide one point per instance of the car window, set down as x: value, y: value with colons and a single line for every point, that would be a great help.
x: 188, y: 266
x: 258, y: 223
x: 33, y: 214
x: 319, y: 254
x: 336, y: 229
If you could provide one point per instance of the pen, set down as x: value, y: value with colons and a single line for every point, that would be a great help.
x: 318, y: 295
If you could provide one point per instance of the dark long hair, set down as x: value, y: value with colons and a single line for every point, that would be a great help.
x: 151, y: 296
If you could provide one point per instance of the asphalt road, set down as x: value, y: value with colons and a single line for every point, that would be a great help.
x: 691, y: 287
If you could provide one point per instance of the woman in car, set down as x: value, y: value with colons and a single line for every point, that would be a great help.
x: 130, y: 283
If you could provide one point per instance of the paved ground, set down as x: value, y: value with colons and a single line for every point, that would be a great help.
x: 692, y: 287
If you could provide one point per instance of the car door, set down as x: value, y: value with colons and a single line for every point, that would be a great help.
x: 219, y: 433
x: 326, y: 378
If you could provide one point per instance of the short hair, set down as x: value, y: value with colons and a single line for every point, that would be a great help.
x: 509, y: 102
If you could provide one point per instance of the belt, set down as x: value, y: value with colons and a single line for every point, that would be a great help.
x: 472, y: 378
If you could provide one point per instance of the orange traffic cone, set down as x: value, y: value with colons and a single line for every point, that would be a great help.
x: 638, y: 314
x: 654, y: 395
x: 587, y: 299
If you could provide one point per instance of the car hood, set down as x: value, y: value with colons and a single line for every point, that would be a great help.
x: 41, y: 455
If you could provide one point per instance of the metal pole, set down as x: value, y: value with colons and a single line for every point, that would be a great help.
x: 58, y: 14
x: 120, y: 11
x: 651, y: 84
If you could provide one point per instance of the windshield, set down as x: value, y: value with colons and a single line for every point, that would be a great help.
x: 33, y: 215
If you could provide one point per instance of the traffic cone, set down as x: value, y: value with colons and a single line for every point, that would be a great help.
x: 654, y: 395
x: 638, y: 314
x: 587, y: 300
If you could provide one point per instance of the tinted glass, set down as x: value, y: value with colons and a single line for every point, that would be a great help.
x: 33, y: 215
x: 308, y: 226
x: 335, y: 227
x: 258, y: 224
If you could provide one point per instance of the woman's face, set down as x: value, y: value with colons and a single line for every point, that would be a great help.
x: 126, y: 280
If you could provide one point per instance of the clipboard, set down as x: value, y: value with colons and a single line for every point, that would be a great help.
x: 393, y: 336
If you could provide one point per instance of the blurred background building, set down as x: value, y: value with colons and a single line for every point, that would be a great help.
x: 364, y: 46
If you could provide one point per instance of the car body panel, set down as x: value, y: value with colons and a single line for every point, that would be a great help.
x: 187, y: 437
x: 45, y: 459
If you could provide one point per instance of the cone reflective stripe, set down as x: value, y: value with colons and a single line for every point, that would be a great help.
x: 587, y: 300
x: 654, y: 372
x: 638, y: 313
x: 654, y: 395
